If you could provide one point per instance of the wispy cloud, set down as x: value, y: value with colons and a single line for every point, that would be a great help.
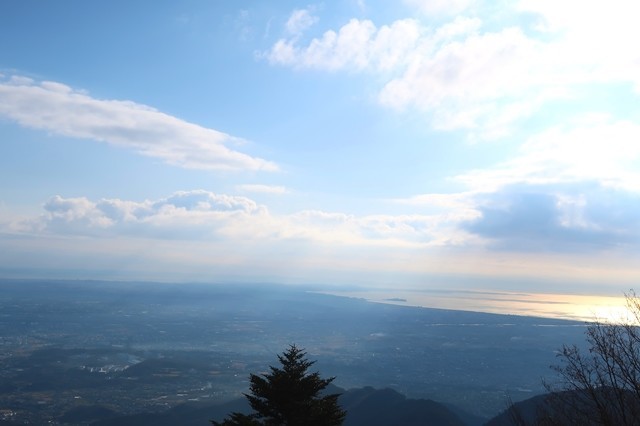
x: 440, y: 7
x: 263, y: 189
x: 589, y: 148
x: 61, y: 110
x: 299, y: 21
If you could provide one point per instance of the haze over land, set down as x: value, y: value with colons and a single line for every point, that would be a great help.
x: 397, y: 145
x: 110, y: 349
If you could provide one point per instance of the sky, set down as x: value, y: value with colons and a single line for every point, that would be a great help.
x: 415, y: 144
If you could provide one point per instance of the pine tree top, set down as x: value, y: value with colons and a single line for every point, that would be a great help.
x: 290, y: 395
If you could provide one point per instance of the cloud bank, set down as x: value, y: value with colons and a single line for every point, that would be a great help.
x: 577, y: 217
x: 518, y: 231
x: 203, y: 215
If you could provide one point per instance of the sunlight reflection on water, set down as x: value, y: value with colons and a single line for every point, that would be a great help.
x: 561, y: 306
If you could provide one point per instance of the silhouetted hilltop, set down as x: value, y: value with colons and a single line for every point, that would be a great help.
x: 386, y: 407
x: 570, y: 407
x: 527, y: 410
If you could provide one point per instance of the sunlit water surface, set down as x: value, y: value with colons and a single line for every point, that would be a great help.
x: 562, y: 306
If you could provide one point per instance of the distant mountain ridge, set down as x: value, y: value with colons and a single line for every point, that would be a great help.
x: 365, y: 407
x: 386, y: 407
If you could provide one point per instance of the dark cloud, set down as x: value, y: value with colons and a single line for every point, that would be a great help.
x: 559, y: 218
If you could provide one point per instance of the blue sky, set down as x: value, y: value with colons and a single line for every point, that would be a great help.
x: 408, y: 144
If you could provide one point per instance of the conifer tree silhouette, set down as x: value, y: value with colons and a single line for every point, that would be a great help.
x: 289, y: 395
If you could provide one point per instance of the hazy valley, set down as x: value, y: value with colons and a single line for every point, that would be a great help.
x: 127, y: 348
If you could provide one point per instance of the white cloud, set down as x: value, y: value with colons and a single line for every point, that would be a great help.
x: 454, y: 201
x: 454, y: 71
x: 462, y: 81
x: 264, y: 189
x: 357, y: 45
x: 184, y: 215
x: 440, y: 7
x: 592, y: 148
x: 299, y: 21
x: 362, y: 5
x: 62, y: 110
x: 482, y: 73
x: 571, y: 188
x: 596, y: 39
